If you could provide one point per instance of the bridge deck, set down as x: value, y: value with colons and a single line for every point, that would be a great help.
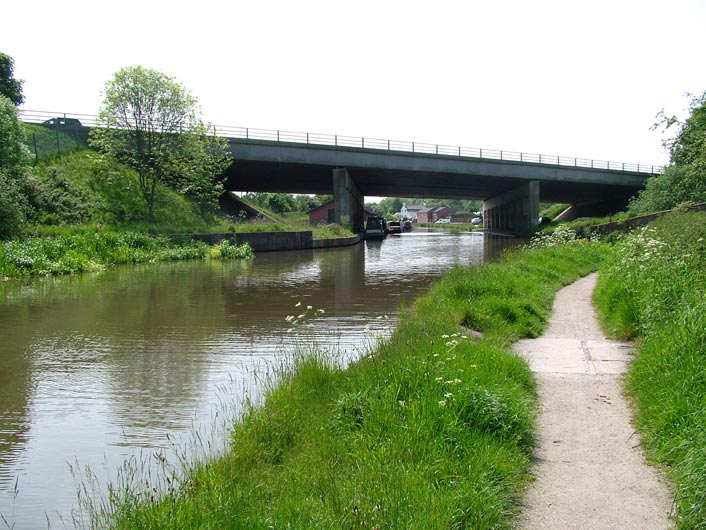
x: 262, y: 165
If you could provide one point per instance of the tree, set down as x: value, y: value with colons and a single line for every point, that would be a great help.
x: 677, y: 185
x: 14, y: 161
x: 684, y: 180
x: 10, y: 87
x: 688, y: 147
x: 151, y: 123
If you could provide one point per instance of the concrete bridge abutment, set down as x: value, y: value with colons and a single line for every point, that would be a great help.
x: 348, y: 201
x: 515, y: 211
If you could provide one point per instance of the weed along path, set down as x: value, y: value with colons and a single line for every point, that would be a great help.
x: 590, y: 472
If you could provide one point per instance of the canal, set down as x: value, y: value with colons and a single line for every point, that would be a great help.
x: 131, y: 362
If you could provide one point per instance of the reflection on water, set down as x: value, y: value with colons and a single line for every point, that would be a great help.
x: 99, y: 366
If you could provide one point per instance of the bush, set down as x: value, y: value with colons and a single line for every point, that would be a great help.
x: 14, y: 160
x: 11, y: 211
x: 678, y: 184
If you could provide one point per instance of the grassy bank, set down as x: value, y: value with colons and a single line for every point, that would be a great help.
x: 431, y: 430
x: 85, y: 251
x: 652, y: 289
x: 83, y: 189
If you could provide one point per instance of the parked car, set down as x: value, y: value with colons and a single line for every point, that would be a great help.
x: 443, y: 221
x: 476, y: 221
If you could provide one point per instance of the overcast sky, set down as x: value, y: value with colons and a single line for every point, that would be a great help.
x: 561, y: 77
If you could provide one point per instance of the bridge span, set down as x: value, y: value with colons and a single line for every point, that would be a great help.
x: 511, y: 184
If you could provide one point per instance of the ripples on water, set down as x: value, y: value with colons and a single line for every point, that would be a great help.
x: 98, y: 368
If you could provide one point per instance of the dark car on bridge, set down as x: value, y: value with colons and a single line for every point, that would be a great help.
x: 61, y: 122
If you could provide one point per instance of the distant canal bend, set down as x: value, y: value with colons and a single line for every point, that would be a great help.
x: 97, y: 368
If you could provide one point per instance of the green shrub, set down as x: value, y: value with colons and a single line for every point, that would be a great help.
x: 90, y: 251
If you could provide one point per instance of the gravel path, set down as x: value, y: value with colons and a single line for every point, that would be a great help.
x: 590, y: 472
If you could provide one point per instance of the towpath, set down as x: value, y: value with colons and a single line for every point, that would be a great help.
x: 590, y: 472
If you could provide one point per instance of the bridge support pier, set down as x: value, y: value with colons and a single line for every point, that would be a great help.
x: 514, y: 211
x: 348, y: 201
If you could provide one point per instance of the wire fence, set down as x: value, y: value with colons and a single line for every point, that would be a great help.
x: 60, y: 132
x: 50, y: 134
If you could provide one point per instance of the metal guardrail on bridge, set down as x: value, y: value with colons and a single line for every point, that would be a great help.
x: 338, y: 140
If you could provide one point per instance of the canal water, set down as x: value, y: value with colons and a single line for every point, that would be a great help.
x: 142, y: 361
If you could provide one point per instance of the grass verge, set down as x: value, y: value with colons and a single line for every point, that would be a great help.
x: 433, y: 429
x: 86, y: 251
x: 652, y: 289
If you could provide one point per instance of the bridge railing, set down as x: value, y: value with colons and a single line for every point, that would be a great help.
x: 337, y: 140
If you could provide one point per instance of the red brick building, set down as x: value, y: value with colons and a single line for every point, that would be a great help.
x: 326, y: 214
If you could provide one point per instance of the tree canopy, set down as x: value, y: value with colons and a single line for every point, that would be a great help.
x: 684, y: 180
x: 688, y: 147
x: 10, y: 87
x: 151, y: 123
x: 14, y: 161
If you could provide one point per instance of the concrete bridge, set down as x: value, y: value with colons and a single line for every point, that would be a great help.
x: 510, y: 184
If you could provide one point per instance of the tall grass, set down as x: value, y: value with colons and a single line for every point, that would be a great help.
x: 653, y: 289
x: 86, y: 251
x: 432, y: 429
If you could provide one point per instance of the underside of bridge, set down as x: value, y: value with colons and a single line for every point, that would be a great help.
x: 515, y: 209
x: 511, y: 191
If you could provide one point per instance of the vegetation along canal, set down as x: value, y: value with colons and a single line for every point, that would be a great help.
x: 130, y: 362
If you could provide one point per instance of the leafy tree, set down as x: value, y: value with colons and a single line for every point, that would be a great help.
x: 10, y: 87
x: 685, y: 179
x: 677, y: 185
x: 688, y: 147
x: 304, y: 202
x: 151, y: 123
x: 14, y: 161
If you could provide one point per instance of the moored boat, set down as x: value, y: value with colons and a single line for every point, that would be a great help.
x: 376, y: 228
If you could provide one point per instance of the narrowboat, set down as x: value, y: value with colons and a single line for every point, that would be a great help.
x: 376, y: 228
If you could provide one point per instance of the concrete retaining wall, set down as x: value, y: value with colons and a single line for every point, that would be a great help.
x: 277, y: 241
x: 337, y: 242
x: 633, y: 222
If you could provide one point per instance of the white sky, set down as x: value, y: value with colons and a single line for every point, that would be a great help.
x: 558, y: 77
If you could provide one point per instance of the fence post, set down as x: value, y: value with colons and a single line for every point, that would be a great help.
x: 56, y: 130
x: 36, y: 154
